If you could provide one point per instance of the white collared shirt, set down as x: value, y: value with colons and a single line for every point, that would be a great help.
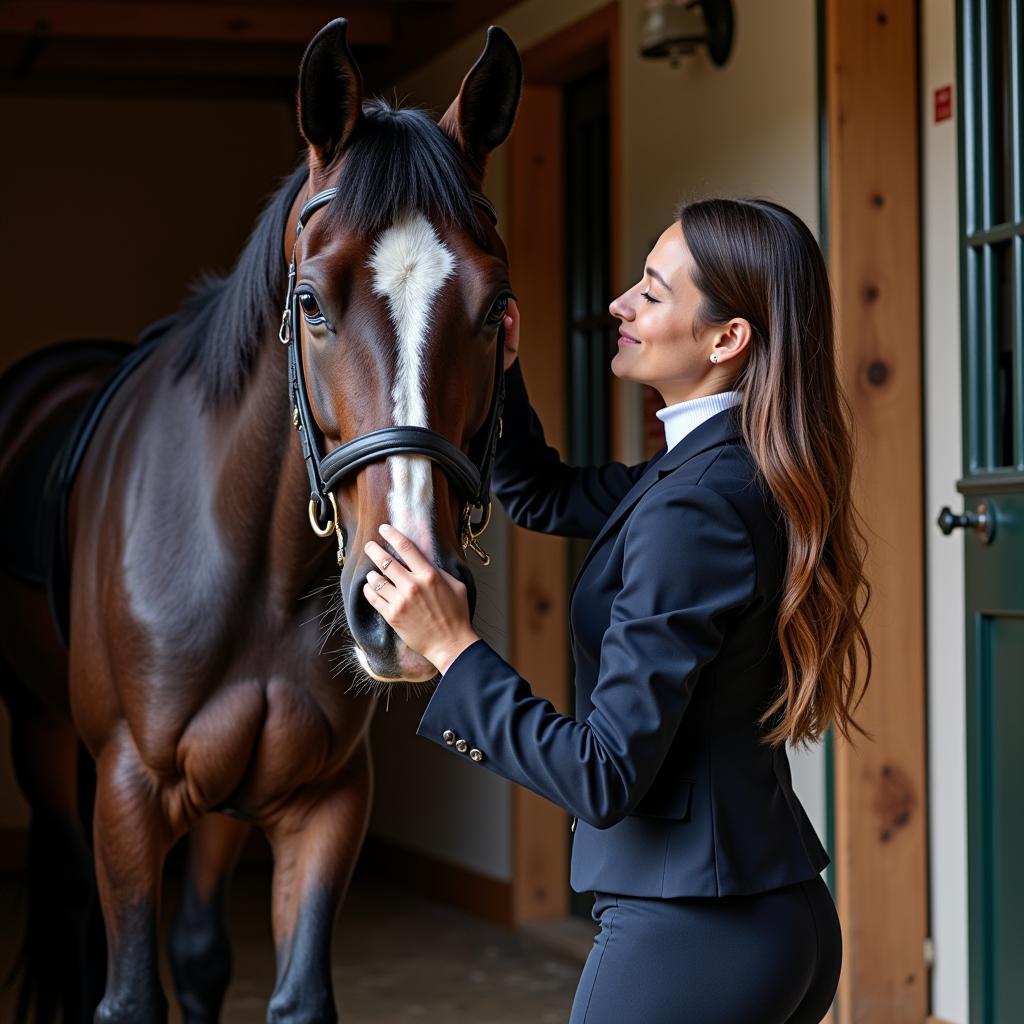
x: 679, y: 419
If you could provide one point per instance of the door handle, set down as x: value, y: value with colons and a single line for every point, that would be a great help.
x: 981, y: 520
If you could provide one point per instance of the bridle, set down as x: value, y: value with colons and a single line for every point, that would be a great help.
x: 472, y: 480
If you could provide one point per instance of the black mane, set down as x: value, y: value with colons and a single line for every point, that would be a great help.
x: 397, y: 161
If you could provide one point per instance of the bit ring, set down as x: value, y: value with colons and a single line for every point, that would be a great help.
x: 323, y: 531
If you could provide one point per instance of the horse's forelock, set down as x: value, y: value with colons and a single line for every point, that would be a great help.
x: 399, y: 162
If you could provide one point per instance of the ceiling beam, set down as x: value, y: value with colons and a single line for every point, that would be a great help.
x: 422, y: 35
x: 193, y: 22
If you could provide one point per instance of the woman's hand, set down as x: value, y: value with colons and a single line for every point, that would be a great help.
x: 511, y: 333
x: 426, y: 606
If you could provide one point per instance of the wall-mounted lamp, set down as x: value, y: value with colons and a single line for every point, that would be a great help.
x: 678, y: 28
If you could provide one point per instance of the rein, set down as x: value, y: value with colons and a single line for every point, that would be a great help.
x: 471, y: 478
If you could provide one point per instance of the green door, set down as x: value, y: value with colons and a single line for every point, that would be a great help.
x: 992, y: 305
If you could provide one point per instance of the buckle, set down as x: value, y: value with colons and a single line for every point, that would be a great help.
x: 470, y: 536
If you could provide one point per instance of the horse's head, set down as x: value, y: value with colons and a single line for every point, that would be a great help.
x: 399, y: 290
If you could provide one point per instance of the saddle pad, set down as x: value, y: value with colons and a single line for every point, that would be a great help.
x: 36, y: 485
x: 26, y: 548
x: 62, y: 475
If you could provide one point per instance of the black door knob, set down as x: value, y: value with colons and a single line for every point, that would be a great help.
x: 980, y: 520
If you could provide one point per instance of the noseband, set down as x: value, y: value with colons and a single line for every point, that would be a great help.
x: 471, y: 478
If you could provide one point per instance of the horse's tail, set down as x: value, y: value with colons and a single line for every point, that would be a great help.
x: 59, y: 971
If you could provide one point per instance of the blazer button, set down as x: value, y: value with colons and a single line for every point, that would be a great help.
x: 448, y: 736
x: 476, y: 755
x: 461, y: 746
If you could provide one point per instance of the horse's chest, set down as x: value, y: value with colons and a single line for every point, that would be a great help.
x: 308, y: 733
x: 256, y: 741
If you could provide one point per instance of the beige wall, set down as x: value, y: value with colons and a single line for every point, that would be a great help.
x: 749, y: 129
x: 947, y: 765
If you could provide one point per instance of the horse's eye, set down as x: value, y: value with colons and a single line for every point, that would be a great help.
x: 498, y: 310
x: 310, y: 308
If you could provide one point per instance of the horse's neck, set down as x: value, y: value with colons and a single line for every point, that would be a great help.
x: 263, y: 480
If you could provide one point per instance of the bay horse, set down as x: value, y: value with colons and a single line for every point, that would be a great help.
x: 199, y: 600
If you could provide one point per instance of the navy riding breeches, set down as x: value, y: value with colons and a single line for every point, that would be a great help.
x: 766, y: 958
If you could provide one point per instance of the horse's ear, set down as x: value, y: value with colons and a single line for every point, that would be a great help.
x: 481, y: 116
x: 330, y: 95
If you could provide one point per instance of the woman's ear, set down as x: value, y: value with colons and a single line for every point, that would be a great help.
x: 330, y: 93
x: 481, y: 116
x: 732, y: 338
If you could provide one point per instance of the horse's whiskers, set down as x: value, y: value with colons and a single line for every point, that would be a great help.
x: 338, y: 608
x: 331, y: 584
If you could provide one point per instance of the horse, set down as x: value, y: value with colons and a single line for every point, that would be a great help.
x: 346, y: 372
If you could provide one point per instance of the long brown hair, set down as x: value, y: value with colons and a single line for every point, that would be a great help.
x: 756, y: 260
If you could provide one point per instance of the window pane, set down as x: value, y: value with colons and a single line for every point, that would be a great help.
x: 1000, y: 111
x: 1001, y: 339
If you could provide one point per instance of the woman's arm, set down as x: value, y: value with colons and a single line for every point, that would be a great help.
x: 688, y: 560
x: 537, y: 489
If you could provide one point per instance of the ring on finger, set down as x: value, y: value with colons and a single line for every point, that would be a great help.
x: 385, y: 563
x: 379, y: 586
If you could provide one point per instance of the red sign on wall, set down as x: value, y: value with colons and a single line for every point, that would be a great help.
x: 943, y: 103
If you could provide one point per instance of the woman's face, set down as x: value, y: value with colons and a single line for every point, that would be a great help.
x: 657, y: 345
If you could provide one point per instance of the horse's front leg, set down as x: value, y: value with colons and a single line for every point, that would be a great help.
x: 132, y: 837
x: 199, y: 948
x: 316, y: 842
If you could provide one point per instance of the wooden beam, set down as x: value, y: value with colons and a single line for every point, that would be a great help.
x: 565, y: 56
x: 538, y: 580
x: 422, y: 34
x: 874, y: 254
x: 213, y: 22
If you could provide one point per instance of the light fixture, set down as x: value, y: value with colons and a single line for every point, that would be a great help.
x: 678, y: 28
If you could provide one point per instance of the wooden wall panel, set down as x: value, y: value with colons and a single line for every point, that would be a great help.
x: 874, y: 251
x: 539, y: 585
x: 539, y: 633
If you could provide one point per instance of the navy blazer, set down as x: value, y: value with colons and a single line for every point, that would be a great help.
x: 672, y: 618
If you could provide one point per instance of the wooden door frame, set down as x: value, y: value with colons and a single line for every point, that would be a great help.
x: 874, y: 238
x: 538, y: 574
x: 880, y: 795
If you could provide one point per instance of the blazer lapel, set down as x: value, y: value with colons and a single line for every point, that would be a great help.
x: 716, y: 430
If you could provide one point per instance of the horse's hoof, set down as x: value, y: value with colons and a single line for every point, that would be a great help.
x: 114, y: 1010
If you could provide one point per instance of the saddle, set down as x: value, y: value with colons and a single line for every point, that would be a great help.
x: 35, y: 494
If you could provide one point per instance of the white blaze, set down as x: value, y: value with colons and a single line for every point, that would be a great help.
x: 410, y: 263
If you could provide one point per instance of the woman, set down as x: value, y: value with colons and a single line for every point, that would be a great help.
x: 717, y: 614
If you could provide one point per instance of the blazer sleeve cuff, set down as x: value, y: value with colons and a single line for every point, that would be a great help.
x: 446, y: 719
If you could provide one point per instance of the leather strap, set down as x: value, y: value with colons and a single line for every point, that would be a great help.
x: 401, y: 441
x: 472, y: 476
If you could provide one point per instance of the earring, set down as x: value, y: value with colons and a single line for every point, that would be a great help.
x: 714, y: 357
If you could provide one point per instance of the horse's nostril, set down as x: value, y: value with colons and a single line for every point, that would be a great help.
x: 366, y: 624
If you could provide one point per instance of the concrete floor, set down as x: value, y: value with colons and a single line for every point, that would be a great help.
x: 397, y: 958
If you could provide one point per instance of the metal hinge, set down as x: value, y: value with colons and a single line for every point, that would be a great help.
x: 572, y: 827
x: 929, y: 950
